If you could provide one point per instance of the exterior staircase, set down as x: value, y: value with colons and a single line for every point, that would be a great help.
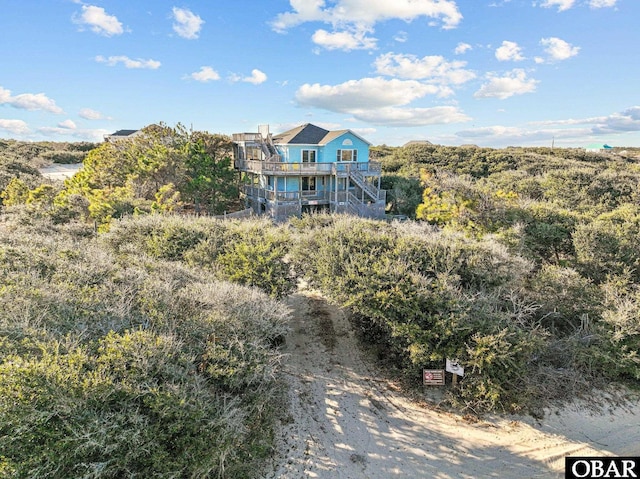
x: 356, y: 206
x: 359, y: 180
x: 269, y: 151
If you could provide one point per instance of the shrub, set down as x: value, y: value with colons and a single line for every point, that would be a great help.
x: 250, y: 252
x: 129, y: 366
x: 425, y: 296
x: 608, y: 245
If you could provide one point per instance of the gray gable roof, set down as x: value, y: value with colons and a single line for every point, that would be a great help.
x: 306, y: 134
x: 309, y: 134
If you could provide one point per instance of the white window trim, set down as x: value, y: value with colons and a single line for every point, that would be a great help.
x: 315, y: 155
x: 354, y: 154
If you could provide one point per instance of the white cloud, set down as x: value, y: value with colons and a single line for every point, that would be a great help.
x: 393, y: 116
x: 367, y: 93
x: 513, y: 83
x: 205, y: 74
x: 79, y: 134
x: 68, y: 124
x: 29, y: 101
x: 499, y: 135
x: 432, y: 68
x: 576, y: 131
x: 257, y: 77
x: 379, y: 101
x: 89, y: 114
x: 496, y: 131
x: 401, y: 37
x: 602, y: 3
x: 367, y: 13
x: 561, y: 4
x: 344, y: 40
x: 99, y: 21
x: 627, y: 120
x: 558, y: 49
x: 462, y: 48
x: 187, y: 24
x: 15, y: 127
x: 509, y: 51
x: 128, y: 62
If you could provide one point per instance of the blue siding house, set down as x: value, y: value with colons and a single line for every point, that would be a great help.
x: 308, y: 169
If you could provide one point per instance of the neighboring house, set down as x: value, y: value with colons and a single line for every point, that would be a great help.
x: 309, y: 169
x: 122, y: 135
x: 599, y: 148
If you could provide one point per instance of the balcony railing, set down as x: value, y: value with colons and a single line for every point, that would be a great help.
x: 281, y: 168
x: 257, y: 137
x: 293, y: 196
x: 286, y: 196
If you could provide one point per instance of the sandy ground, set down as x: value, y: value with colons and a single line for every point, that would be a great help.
x: 345, y: 422
x: 60, y: 172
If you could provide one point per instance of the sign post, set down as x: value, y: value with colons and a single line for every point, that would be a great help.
x: 453, y: 366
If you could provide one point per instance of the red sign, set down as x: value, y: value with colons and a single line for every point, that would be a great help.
x: 433, y: 377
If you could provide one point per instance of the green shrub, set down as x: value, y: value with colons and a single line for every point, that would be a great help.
x: 425, y: 295
x: 608, y: 245
x: 257, y: 263
x: 130, y: 366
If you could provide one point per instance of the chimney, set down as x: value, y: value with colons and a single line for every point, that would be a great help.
x: 264, y: 131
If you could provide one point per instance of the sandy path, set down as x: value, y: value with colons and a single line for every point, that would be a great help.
x: 346, y: 423
x: 59, y: 171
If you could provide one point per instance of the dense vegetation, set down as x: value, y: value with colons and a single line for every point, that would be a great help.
x: 164, y: 169
x: 116, y: 363
x: 573, y: 217
x: 149, y: 348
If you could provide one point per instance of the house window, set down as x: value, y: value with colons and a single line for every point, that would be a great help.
x: 347, y: 155
x: 308, y: 156
x: 308, y: 183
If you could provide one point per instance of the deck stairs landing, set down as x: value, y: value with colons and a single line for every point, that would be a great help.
x: 269, y: 150
x: 359, y: 180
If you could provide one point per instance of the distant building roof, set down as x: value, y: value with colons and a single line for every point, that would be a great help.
x: 120, y: 134
x: 417, y: 142
x: 123, y: 133
x: 599, y: 146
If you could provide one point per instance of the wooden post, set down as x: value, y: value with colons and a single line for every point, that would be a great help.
x: 454, y: 379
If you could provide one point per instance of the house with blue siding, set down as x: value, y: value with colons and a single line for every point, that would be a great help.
x: 308, y: 169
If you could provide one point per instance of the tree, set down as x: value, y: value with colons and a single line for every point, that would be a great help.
x: 403, y: 194
x: 209, y: 177
x: 16, y: 193
x: 157, y: 170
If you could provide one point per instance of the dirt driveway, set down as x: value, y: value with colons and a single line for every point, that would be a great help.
x: 347, y: 423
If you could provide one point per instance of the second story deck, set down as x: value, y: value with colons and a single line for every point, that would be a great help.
x: 340, y: 169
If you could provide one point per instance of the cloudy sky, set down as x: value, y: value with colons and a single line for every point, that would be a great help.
x: 488, y: 72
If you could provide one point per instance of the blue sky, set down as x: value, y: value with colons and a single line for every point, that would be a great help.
x: 488, y: 72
